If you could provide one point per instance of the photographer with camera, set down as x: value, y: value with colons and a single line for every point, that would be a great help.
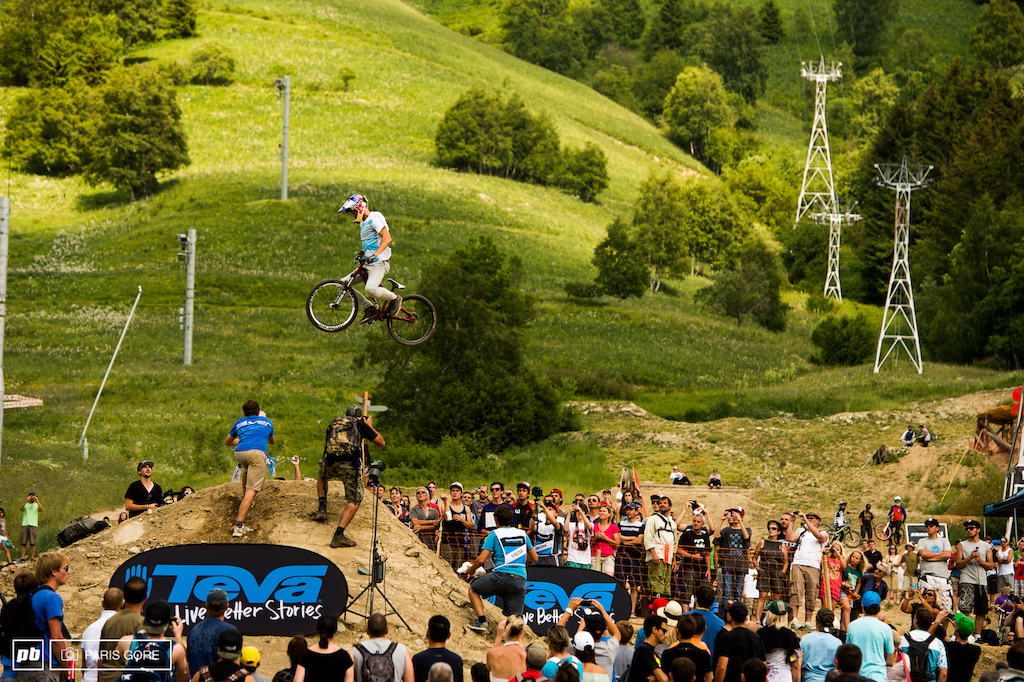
x: 30, y: 509
x: 342, y: 460
x: 548, y: 539
x: 580, y: 530
x: 143, y: 494
x: 523, y: 509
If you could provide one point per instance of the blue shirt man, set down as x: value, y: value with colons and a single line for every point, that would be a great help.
x: 250, y: 436
x: 511, y: 549
x: 201, y: 649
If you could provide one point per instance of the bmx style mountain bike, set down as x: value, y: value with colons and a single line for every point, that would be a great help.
x: 331, y: 307
x: 844, y: 534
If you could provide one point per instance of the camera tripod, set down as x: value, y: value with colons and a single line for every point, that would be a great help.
x: 376, y: 574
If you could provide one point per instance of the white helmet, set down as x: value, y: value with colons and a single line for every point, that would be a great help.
x: 898, y: 499
x: 354, y: 205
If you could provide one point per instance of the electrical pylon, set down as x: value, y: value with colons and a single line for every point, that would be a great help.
x: 818, y: 189
x: 835, y: 222
x: 899, y: 301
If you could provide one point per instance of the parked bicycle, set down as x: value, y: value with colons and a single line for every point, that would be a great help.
x: 883, y: 531
x: 332, y: 307
x: 844, y: 534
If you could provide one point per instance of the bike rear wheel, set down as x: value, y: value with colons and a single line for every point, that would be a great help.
x: 851, y: 538
x: 415, y: 322
x: 330, y: 306
x: 883, y: 531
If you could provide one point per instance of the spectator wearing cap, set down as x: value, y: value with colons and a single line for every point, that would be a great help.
x: 439, y: 630
x: 935, y: 551
x: 873, y: 638
x: 677, y: 477
x: 660, y: 546
x: 250, y: 660
x: 973, y: 558
x: 781, y: 645
x: 202, y: 639
x: 523, y: 508
x: 143, y: 494
x: 156, y: 619
x: 819, y: 648
x: 536, y: 657
x: 227, y: 667
x: 806, y: 564
x: 456, y: 519
x: 548, y: 536
x: 960, y: 653
x: 583, y: 644
x: 1003, y: 556
x: 693, y: 554
x: 733, y: 544
x: 735, y: 645
x: 602, y: 629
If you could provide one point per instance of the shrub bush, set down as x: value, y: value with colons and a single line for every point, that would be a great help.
x: 843, y: 340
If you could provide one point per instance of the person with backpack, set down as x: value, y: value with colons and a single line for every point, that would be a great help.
x: 227, y: 667
x: 25, y: 583
x: 250, y: 437
x: 342, y: 461
x: 378, y: 659
x: 149, y: 656
x: 926, y: 654
x: 41, y: 617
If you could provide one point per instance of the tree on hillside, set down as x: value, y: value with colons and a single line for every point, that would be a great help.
x: 471, y: 379
x: 629, y: 18
x: 843, y: 340
x: 710, y: 223
x: 138, y: 131
x: 211, y: 64
x: 654, y: 80
x: 865, y: 23
x: 541, y: 32
x: 179, y: 18
x: 48, y: 131
x: 751, y: 289
x: 998, y: 37
x: 138, y: 21
x: 25, y: 28
x: 696, y: 108
x: 770, y: 17
x: 584, y: 172
x: 869, y: 102
x: 733, y: 46
x: 656, y: 228
x: 621, y: 269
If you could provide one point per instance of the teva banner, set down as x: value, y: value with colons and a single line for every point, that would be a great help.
x: 550, y: 588
x: 272, y: 590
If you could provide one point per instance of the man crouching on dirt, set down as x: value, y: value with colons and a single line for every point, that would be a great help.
x: 511, y: 549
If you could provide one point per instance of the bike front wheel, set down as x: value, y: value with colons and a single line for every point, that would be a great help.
x: 415, y: 322
x: 330, y: 306
x: 851, y: 539
x: 882, y: 531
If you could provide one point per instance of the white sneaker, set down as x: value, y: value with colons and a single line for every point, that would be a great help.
x: 794, y: 624
x: 239, y: 531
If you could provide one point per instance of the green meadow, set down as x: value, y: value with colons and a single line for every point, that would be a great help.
x: 78, y: 255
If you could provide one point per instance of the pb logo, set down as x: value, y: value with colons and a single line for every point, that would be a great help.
x: 28, y: 656
x: 287, y: 584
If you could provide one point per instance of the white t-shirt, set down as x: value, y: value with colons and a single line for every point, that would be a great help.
x: 1004, y: 569
x: 808, y: 550
x: 579, y: 541
x: 675, y: 476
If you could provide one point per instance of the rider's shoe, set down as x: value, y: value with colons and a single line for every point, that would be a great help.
x: 395, y: 305
x: 369, y: 315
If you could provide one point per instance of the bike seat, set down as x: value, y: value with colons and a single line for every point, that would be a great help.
x: 395, y: 285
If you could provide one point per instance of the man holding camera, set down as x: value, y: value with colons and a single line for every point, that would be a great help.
x: 523, y: 509
x: 143, y: 494
x: 30, y: 509
x: 342, y: 460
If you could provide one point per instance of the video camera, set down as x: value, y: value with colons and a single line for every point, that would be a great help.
x: 374, y: 469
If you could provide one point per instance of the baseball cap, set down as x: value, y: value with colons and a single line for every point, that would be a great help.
x: 633, y: 505
x: 157, y: 615
x: 229, y: 644
x: 582, y: 640
x: 144, y: 463
x: 778, y: 607
x: 216, y: 597
x: 972, y: 522
x: 931, y: 521
x: 456, y: 484
x: 555, y: 490
x: 523, y: 484
x: 675, y: 468
x: 536, y: 656
x: 655, y: 497
x: 738, y: 510
x: 658, y: 603
x: 250, y: 657
x: 870, y: 599
x: 964, y: 624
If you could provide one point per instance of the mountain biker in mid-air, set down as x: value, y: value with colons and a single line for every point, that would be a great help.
x: 376, y: 246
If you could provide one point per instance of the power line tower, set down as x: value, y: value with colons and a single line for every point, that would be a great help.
x: 899, y: 301
x: 835, y: 222
x: 818, y: 188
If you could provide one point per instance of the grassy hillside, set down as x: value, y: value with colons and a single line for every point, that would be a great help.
x: 78, y: 255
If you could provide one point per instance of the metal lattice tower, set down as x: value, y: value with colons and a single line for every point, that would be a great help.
x: 835, y: 222
x: 818, y: 189
x: 899, y: 301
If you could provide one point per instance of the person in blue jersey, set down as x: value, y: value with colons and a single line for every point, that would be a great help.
x: 375, y: 236
x: 511, y: 550
x: 250, y: 437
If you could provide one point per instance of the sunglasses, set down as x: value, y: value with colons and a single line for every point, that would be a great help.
x: 773, y: 528
x: 495, y: 490
x: 592, y: 499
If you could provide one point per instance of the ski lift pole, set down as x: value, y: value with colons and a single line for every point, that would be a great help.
x: 82, y: 442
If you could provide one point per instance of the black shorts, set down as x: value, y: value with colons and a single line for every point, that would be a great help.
x: 973, y: 599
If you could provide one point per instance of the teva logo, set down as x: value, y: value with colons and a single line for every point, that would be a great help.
x: 287, y: 584
x: 546, y: 595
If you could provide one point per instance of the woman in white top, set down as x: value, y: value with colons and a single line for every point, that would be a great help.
x: 891, y: 565
x: 508, y: 657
